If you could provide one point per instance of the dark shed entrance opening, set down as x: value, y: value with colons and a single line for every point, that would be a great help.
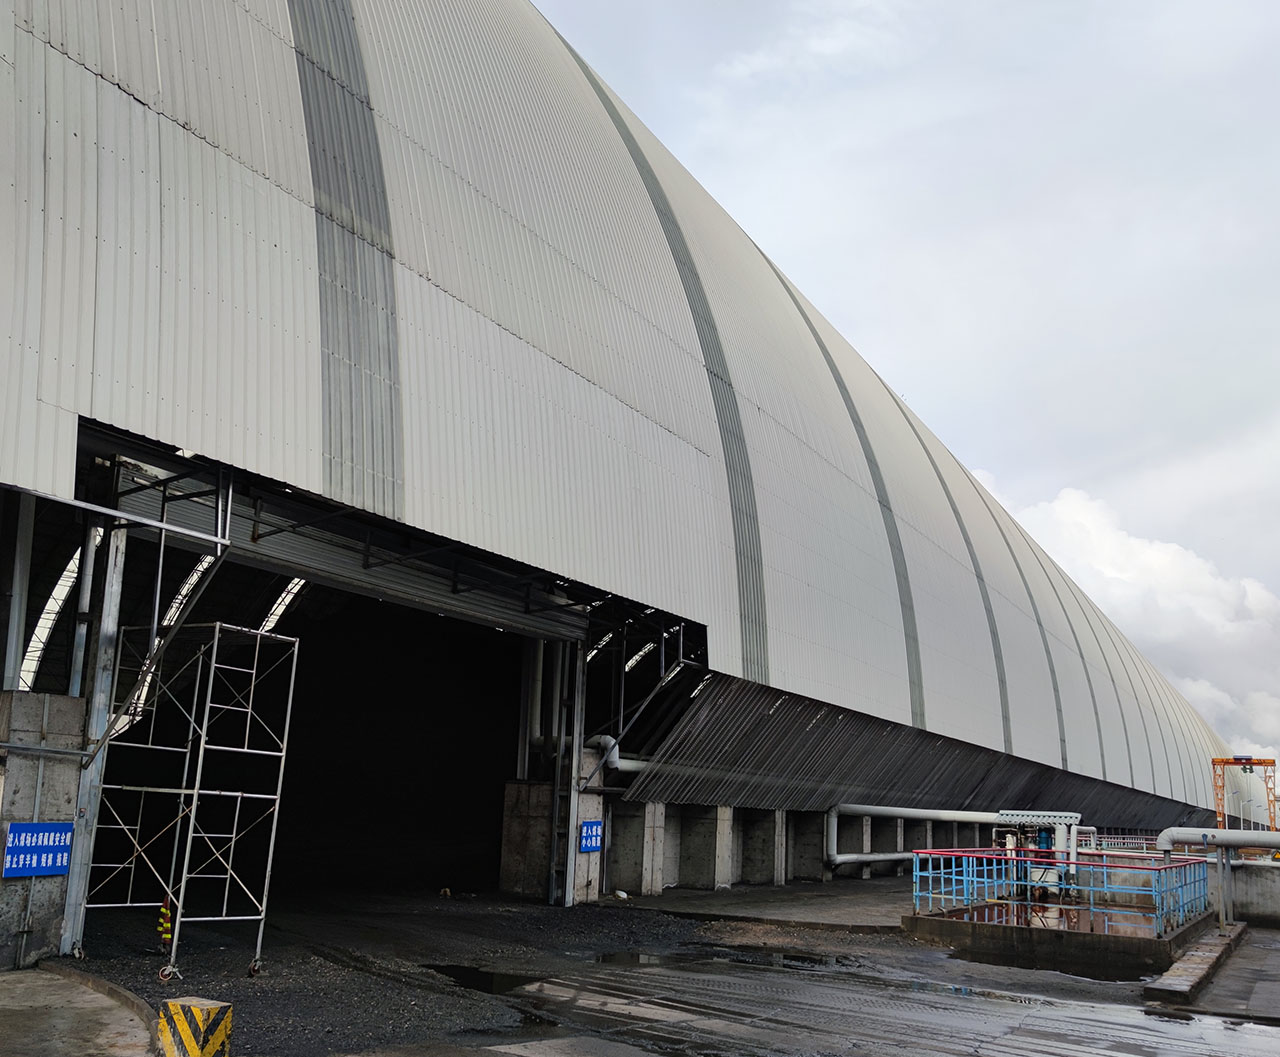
x: 404, y: 734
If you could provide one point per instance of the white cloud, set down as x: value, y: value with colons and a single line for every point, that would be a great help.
x: 819, y: 36
x: 1216, y: 637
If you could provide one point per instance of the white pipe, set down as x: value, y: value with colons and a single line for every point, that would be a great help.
x: 929, y: 814
x: 613, y: 759
x: 846, y: 858
x: 1218, y: 838
x: 1073, y: 842
x: 835, y: 858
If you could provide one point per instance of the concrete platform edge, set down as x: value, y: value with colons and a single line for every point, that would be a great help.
x: 121, y: 996
x: 1195, y: 967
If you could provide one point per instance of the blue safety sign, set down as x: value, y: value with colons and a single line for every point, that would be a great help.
x: 592, y: 838
x: 37, y: 849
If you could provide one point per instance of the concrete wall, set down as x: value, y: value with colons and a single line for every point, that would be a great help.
x: 1257, y: 891
x: 526, y: 839
x: 887, y: 836
x: 625, y: 846
x: 764, y: 846
x: 23, y: 717
x: 706, y: 847
x: 806, y: 833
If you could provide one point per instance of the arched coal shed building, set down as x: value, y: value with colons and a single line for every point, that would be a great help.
x: 386, y: 326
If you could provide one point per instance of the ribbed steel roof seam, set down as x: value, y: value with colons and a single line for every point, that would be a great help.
x: 1052, y: 569
x: 1125, y: 666
x: 1156, y: 707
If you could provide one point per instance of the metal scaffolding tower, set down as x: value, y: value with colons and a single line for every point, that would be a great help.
x: 193, y: 776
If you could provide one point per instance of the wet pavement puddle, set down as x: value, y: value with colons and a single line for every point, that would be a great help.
x: 484, y: 980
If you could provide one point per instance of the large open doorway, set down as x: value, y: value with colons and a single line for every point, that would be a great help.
x: 404, y: 734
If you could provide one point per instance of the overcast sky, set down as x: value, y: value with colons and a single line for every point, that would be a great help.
x: 1054, y: 228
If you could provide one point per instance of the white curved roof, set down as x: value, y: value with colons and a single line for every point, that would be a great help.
x: 417, y: 258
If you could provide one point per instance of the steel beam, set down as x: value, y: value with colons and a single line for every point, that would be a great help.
x: 90, y: 792
x: 16, y: 639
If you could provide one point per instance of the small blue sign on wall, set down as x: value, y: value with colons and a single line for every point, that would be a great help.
x: 592, y: 838
x: 37, y: 849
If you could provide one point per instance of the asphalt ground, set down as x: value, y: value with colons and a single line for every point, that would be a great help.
x: 360, y: 973
x: 801, y: 971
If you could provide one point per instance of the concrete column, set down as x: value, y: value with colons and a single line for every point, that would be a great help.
x: 764, y: 847
x: 867, y: 823
x: 737, y: 834
x: 672, y: 845
x: 587, y: 867
x: 653, y: 859
x: 582, y: 806
x: 588, y: 870
x: 806, y: 834
x: 706, y: 847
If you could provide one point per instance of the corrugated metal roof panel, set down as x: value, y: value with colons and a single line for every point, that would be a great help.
x: 749, y: 746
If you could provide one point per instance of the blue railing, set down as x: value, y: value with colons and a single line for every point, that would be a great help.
x: 1106, y: 891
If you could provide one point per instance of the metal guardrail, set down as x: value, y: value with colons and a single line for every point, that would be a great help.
x: 1112, y: 892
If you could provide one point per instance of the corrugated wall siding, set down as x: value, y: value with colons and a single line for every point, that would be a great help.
x: 418, y: 258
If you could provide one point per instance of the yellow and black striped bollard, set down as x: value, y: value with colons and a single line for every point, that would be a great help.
x: 195, y: 1027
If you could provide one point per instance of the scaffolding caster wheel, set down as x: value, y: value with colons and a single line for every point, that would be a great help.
x: 255, y: 967
x: 77, y: 952
x: 167, y: 973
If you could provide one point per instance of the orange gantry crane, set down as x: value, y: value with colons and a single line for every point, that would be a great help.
x: 1247, y: 764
